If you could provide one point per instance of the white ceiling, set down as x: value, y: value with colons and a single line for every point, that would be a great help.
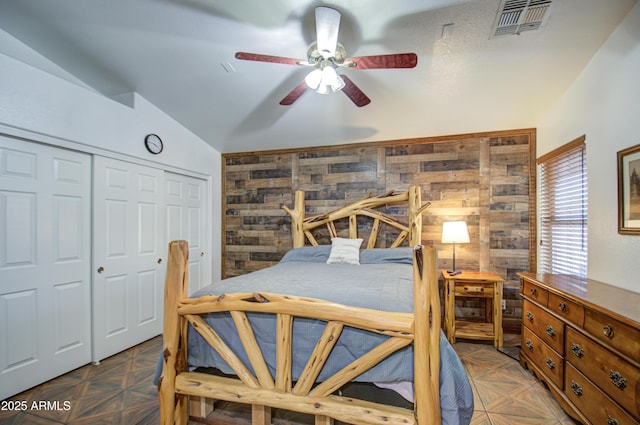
x: 179, y: 55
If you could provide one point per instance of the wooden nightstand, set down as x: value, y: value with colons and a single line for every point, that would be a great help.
x: 475, y: 285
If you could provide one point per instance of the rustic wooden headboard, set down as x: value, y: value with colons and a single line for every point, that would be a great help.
x: 302, y: 227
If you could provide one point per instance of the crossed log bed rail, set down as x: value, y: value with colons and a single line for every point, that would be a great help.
x: 260, y: 389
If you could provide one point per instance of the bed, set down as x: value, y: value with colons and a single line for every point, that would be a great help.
x: 294, y: 335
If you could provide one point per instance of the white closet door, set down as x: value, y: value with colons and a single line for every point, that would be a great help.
x: 45, y: 260
x: 129, y: 245
x: 187, y: 213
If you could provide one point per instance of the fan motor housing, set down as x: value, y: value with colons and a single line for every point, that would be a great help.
x: 315, y: 56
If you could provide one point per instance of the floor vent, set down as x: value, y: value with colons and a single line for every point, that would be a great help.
x: 517, y: 16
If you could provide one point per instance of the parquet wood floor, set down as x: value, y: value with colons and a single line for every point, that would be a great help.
x: 120, y: 391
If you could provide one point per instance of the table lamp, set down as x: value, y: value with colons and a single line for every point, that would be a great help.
x: 452, y: 232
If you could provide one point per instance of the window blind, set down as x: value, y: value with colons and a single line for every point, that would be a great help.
x: 563, y: 210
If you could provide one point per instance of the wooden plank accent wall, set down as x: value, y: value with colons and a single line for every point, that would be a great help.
x: 487, y: 179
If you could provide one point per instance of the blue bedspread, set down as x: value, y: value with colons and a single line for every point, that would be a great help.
x: 383, y: 281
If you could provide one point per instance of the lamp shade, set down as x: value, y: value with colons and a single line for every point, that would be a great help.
x: 313, y: 79
x: 455, y: 232
x: 330, y: 82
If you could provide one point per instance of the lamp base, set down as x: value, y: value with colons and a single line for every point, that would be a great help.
x: 453, y: 272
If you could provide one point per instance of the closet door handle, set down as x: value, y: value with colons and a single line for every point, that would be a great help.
x: 100, y: 269
x: 159, y: 260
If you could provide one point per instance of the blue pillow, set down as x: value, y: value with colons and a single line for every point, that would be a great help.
x: 402, y: 255
x: 313, y: 254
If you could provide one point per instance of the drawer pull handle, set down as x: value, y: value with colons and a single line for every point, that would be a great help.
x: 576, y: 388
x: 617, y: 379
x: 612, y: 421
x: 550, y: 331
x: 530, y: 316
x: 533, y: 292
x: 562, y: 307
x: 608, y: 331
x: 529, y: 344
x: 550, y: 363
x: 577, y: 350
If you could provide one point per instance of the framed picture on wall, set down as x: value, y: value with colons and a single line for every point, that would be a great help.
x: 629, y: 191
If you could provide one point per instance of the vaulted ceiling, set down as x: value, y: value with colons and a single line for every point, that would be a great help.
x: 179, y: 55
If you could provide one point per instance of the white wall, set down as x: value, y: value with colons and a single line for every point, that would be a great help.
x: 41, y: 106
x: 604, y: 104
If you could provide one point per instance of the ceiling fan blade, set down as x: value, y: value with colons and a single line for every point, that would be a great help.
x: 327, y: 27
x: 397, y: 60
x: 294, y: 94
x: 266, y: 58
x: 354, y: 93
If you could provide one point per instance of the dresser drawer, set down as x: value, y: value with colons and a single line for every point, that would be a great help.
x: 592, y: 402
x: 567, y: 309
x: 547, y: 360
x: 474, y: 289
x: 544, y: 325
x: 613, y: 375
x: 534, y: 292
x: 611, y: 331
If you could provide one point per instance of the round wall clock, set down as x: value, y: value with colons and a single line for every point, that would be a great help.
x: 153, y: 143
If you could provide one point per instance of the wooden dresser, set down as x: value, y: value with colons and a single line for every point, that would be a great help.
x: 582, y: 338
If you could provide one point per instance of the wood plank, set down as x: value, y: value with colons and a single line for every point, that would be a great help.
x: 214, y: 340
x: 318, y: 358
x: 392, y: 323
x: 284, y: 344
x: 426, y: 347
x: 359, y: 366
x: 344, y: 409
x: 173, y: 409
x: 248, y: 339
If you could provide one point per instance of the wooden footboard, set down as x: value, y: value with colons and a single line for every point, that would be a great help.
x: 264, y: 391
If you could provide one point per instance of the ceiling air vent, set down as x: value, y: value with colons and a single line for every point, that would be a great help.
x: 517, y: 16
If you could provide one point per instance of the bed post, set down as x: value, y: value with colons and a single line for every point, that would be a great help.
x: 426, y: 317
x: 174, y: 408
x: 297, y: 218
x: 414, y: 212
x: 426, y: 345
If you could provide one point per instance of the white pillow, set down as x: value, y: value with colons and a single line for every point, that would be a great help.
x: 344, y: 251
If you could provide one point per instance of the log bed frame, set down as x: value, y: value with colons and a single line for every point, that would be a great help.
x: 263, y: 391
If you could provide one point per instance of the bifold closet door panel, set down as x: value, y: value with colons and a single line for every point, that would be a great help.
x: 45, y: 263
x: 129, y: 245
x: 187, y: 215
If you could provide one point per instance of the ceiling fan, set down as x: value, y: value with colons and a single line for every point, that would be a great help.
x: 325, y: 55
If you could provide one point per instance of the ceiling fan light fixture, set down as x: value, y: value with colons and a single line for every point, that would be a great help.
x: 324, y: 80
x: 313, y: 79
x: 330, y: 82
